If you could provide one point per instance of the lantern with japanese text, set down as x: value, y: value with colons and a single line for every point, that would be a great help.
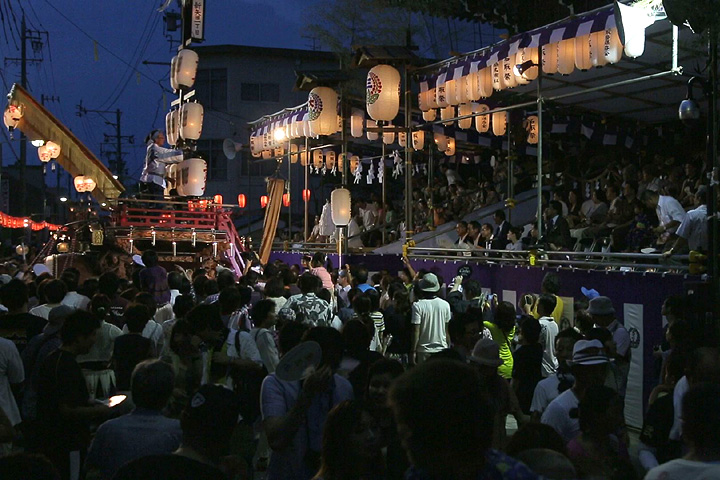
x: 423, y: 101
x: 382, y: 98
x: 462, y: 90
x: 191, y: 121
x: 317, y: 159
x: 583, y: 58
x: 357, y: 122
x: 605, y: 47
x: 440, y: 93
x: 485, y: 82
x: 354, y: 163
x: 402, y: 139
x: 531, y: 126
x: 263, y: 201
x: 450, y: 150
x: 566, y: 56
x: 508, y: 75
x: 186, y: 68
x: 451, y: 87
x: 330, y: 158
x: 524, y: 55
x: 482, y: 122
x: 322, y: 110
x: 418, y: 139
x: 499, y: 123
x: 242, y: 200
x: 432, y: 98
x: 497, y: 82
x: 549, y: 58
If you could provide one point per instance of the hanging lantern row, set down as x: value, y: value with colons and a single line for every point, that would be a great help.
x: 8, y: 221
x: 84, y: 184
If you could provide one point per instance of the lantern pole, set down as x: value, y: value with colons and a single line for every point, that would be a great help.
x: 539, y: 147
x: 384, y: 179
x: 307, y: 157
x: 289, y: 190
x: 408, y: 159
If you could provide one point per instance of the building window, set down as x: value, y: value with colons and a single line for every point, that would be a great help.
x: 260, y: 92
x: 211, y: 88
x: 212, y: 152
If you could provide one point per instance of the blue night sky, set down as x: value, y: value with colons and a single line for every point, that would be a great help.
x: 133, y: 31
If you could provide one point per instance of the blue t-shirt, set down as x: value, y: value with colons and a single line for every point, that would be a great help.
x: 277, y: 398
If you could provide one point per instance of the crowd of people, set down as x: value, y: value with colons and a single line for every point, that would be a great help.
x: 177, y: 376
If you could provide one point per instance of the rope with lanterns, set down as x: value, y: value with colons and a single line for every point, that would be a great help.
x: 8, y: 221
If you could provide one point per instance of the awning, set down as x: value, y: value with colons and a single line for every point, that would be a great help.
x: 38, y: 123
x: 269, y: 123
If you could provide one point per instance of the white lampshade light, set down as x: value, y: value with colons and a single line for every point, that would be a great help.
x: 451, y: 87
x: 566, y: 56
x: 193, y: 184
x: 423, y: 101
x: 186, y: 68
x: 482, y: 122
x: 382, y: 93
x: 357, y: 122
x: 583, y: 58
x: 191, y: 121
x: 53, y: 148
x: 485, y: 85
x: 340, y: 203
x: 499, y: 123
x: 322, y: 110
x: 432, y: 98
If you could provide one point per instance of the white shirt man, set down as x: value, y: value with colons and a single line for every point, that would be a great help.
x: 548, y: 331
x: 669, y: 209
x: 76, y: 301
x: 694, y: 228
x: 430, y: 317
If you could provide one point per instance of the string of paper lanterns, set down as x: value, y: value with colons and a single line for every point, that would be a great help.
x: 8, y: 221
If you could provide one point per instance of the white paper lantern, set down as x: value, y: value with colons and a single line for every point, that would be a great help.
x: 172, y: 127
x: 389, y: 137
x: 294, y: 153
x: 508, y: 72
x: 357, y: 122
x: 322, y: 110
x: 423, y: 101
x: 382, y: 90
x: 418, y: 139
x: 635, y: 19
x: 12, y: 116
x: 451, y: 91
x: 84, y: 184
x: 450, y: 150
x: 43, y: 154
x: 566, y: 56
x: 532, y: 127
x: 447, y: 112
x: 497, y: 82
x: 354, y: 162
x: 53, y: 149
x: 527, y: 54
x: 340, y: 203
x: 430, y: 115
x: 499, y: 123
x: 462, y: 90
x: 465, y: 109
x: 193, y: 177
x: 317, y: 159
x: 306, y: 128
x: 486, y: 82
x: 267, y: 154
x: 441, y: 141
x: 549, y: 58
x: 482, y: 122
x: 372, y: 136
x: 597, y: 44
x: 304, y: 157
x: 255, y: 145
x: 583, y: 59
x: 431, y: 96
x: 330, y: 159
x: 440, y: 93
x: 173, y: 77
x: 612, y: 47
x: 186, y: 68
x: 191, y: 121
x: 279, y: 152
x: 402, y: 139
x: 473, y: 86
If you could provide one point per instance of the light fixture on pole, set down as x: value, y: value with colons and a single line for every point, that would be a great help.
x: 689, y: 110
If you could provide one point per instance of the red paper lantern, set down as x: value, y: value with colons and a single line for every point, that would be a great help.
x: 306, y: 195
x: 242, y: 200
x: 286, y: 199
x: 218, y: 199
x: 264, y: 201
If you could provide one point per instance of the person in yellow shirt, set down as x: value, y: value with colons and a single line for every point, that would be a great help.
x: 502, y: 329
x: 551, y: 286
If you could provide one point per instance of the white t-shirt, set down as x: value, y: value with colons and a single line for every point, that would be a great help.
x: 682, y: 469
x: 11, y: 372
x: 545, y: 392
x: 669, y: 209
x: 548, y: 331
x: 681, y: 388
x: 432, y: 315
x: 43, y: 311
x: 76, y: 301
x: 557, y: 415
x: 694, y: 228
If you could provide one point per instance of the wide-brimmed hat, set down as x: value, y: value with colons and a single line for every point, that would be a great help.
x: 601, y: 306
x: 486, y: 352
x: 429, y: 283
x: 588, y: 352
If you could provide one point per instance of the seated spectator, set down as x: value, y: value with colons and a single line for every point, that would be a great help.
x: 595, y: 215
x: 294, y: 413
x: 501, y: 231
x: 142, y: 432
x: 443, y: 417
x: 207, y: 423
x: 514, y: 239
x: 557, y: 231
x: 599, y: 450
x: 692, y: 234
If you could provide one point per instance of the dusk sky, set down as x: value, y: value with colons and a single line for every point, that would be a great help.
x: 133, y: 31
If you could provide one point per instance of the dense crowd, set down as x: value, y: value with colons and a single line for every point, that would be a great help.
x: 177, y: 376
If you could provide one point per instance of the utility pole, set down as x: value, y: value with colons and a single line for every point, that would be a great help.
x: 118, y: 165
x: 36, y: 39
